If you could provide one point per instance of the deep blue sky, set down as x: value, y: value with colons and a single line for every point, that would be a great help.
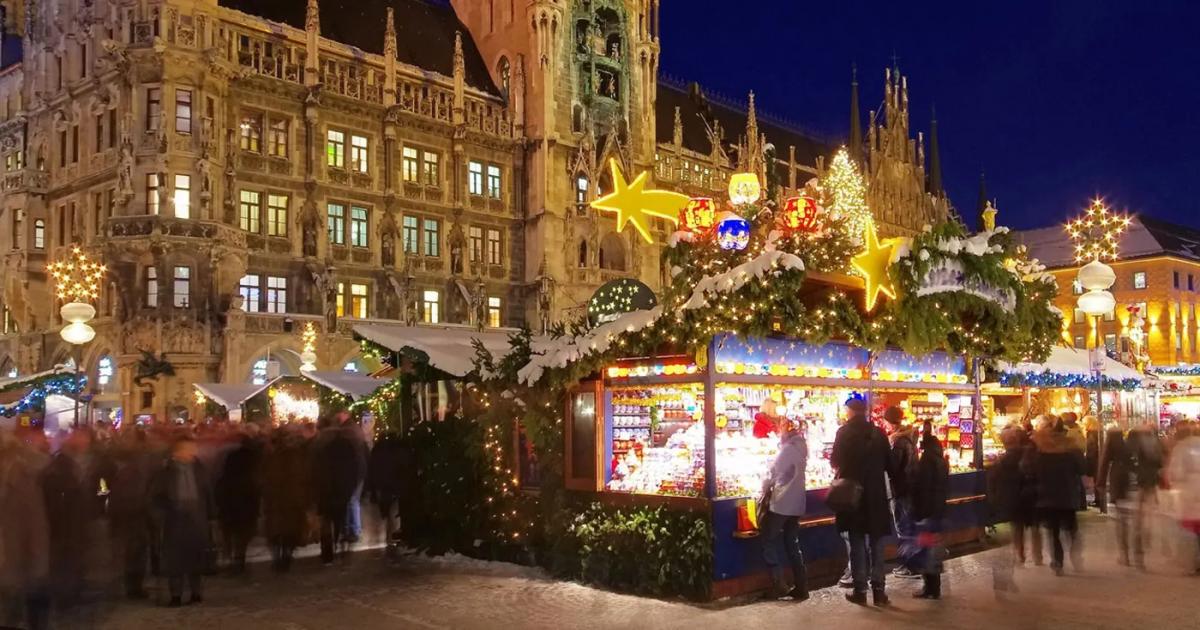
x: 1056, y: 101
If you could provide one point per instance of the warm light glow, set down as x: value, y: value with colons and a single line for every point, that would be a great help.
x: 1097, y: 233
x: 845, y: 194
x: 635, y: 205
x: 78, y: 333
x: 873, y: 265
x: 744, y: 188
x: 308, y: 353
x: 77, y: 279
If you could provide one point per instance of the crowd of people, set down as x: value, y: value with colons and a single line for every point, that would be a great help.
x: 895, y: 483
x: 178, y: 503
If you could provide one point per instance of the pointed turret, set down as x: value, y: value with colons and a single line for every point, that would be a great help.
x: 856, y: 138
x: 982, y: 203
x: 312, y: 34
x: 677, y: 133
x: 935, y: 159
x: 389, y: 59
x: 460, y: 81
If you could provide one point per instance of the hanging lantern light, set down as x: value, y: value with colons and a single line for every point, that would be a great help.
x: 699, y: 216
x: 744, y: 188
x: 733, y: 232
x: 799, y: 214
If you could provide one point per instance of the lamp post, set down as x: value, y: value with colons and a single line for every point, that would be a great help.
x: 77, y: 282
x: 1096, y: 278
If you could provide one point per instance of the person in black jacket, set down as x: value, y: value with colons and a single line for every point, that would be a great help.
x: 182, y: 496
x: 1146, y: 463
x: 902, y: 469
x: 1115, y: 475
x: 930, y: 489
x: 70, y: 484
x: 337, y: 473
x: 1012, y: 491
x: 1058, y: 466
x: 239, y: 496
x: 861, y: 454
x: 389, y: 470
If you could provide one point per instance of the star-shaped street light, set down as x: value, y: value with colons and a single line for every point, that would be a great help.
x: 1097, y: 233
x: 633, y: 204
x: 873, y: 264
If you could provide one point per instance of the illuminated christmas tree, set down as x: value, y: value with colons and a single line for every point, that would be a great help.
x: 844, y: 195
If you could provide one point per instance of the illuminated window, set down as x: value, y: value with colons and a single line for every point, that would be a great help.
x: 475, y: 243
x: 277, y: 138
x: 151, y: 286
x: 1076, y: 287
x: 1111, y: 315
x: 409, y: 165
x: 493, y: 181
x: 104, y: 371
x: 1110, y: 342
x: 181, y: 292
x: 358, y: 153
x: 494, y: 316
x: 277, y: 215
x: 1139, y: 279
x: 358, y: 301
x: 1080, y: 316
x: 276, y: 294
x: 432, y: 237
x: 249, y: 290
x: 493, y: 247
x: 358, y: 226
x: 250, y: 129
x: 152, y: 192
x: 258, y: 373
x: 183, y: 111
x: 153, y: 108
x: 411, y: 235
x: 431, y: 169
x: 430, y: 301
x: 249, y: 210
x: 183, y: 196
x: 39, y: 234
x: 581, y: 189
x: 475, y: 178
x: 335, y: 149
x: 336, y: 225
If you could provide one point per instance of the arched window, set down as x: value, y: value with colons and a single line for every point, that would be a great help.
x: 504, y: 71
x: 583, y: 254
x: 581, y: 188
x: 7, y: 369
x: 39, y: 234
x: 258, y: 373
x: 105, y: 369
x: 612, y: 253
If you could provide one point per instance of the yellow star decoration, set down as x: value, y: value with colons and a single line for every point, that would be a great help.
x: 873, y: 264
x: 633, y: 204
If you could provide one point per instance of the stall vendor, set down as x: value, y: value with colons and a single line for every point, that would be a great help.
x: 766, y: 421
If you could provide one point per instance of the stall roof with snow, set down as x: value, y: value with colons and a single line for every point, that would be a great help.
x: 351, y: 384
x: 450, y: 349
x: 232, y: 395
x: 1065, y: 361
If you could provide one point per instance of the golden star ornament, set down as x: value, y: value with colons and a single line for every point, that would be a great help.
x: 873, y: 264
x: 633, y: 204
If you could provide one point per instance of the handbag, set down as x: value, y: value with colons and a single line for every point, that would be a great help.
x: 845, y: 495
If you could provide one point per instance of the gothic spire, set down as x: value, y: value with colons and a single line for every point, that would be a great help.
x: 935, y: 159
x: 312, y: 17
x: 856, y: 139
x: 982, y: 203
x: 389, y: 36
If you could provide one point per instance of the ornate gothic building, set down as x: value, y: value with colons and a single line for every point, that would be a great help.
x: 247, y: 166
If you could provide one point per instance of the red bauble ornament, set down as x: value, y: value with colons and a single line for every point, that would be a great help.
x: 699, y: 216
x: 799, y: 214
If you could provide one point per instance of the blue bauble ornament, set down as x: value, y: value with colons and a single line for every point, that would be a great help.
x: 733, y: 232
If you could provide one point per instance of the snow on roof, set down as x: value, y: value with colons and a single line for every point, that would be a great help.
x: 450, y: 349
x: 30, y: 378
x: 231, y: 395
x: 1071, y: 362
x: 354, y: 385
x: 557, y: 353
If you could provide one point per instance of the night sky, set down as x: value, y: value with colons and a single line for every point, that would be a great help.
x: 1057, y: 101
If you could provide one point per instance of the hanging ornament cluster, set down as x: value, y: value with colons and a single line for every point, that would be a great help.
x: 799, y: 214
x: 733, y: 232
x: 699, y: 216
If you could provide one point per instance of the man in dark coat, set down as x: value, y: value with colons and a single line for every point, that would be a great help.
x: 287, y: 495
x: 1146, y: 462
x: 129, y: 509
x: 1012, y: 493
x: 930, y: 489
x: 72, y: 506
x: 238, y: 494
x: 1058, y: 466
x: 337, y: 472
x: 1115, y: 475
x: 861, y: 454
x: 183, y: 498
x: 388, y: 471
x: 902, y: 470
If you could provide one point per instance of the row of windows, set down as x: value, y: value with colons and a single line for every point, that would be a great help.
x: 181, y: 196
x: 181, y: 287
x: 1141, y: 281
x: 102, y: 209
x: 251, y: 212
x: 182, y: 115
x: 263, y: 293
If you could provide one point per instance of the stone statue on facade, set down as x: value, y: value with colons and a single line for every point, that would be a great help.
x: 125, y: 171
x: 479, y: 305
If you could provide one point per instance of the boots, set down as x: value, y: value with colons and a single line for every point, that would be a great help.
x: 879, y: 597
x: 932, y: 588
x: 779, y: 589
x: 799, y: 592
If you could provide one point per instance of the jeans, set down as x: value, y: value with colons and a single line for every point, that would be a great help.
x: 906, y: 535
x: 866, y: 561
x: 354, y: 515
x: 781, y: 537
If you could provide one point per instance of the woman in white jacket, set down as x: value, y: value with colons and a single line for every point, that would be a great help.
x: 1183, y: 475
x: 785, y: 484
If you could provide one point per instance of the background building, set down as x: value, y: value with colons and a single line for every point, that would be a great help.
x: 1158, y: 272
x: 246, y: 166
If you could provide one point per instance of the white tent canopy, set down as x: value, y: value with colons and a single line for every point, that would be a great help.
x: 356, y: 386
x: 450, y: 349
x: 1072, y: 362
x: 231, y: 396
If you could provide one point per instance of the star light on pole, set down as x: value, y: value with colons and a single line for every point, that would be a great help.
x: 873, y: 264
x: 1097, y: 234
x: 77, y: 281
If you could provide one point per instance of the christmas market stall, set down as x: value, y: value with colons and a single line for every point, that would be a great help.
x: 228, y: 401
x: 25, y: 401
x: 784, y: 310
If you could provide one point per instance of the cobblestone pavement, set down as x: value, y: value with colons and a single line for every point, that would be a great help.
x: 427, y: 593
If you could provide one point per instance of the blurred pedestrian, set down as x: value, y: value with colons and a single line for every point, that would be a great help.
x: 337, y: 473
x: 389, y: 472
x: 1146, y: 462
x: 183, y: 498
x: 1115, y: 475
x: 1058, y: 467
x: 287, y: 495
x: 860, y: 459
x: 1012, y: 489
x: 24, y: 539
x: 1091, y: 457
x: 930, y: 489
x: 1183, y: 474
x: 129, y: 509
x: 238, y: 499
x: 70, y: 488
x: 354, y: 431
x: 785, y: 492
x: 902, y: 469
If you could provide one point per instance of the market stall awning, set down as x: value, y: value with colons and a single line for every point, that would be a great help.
x: 449, y: 349
x: 351, y: 384
x: 231, y: 395
x: 1072, y: 362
